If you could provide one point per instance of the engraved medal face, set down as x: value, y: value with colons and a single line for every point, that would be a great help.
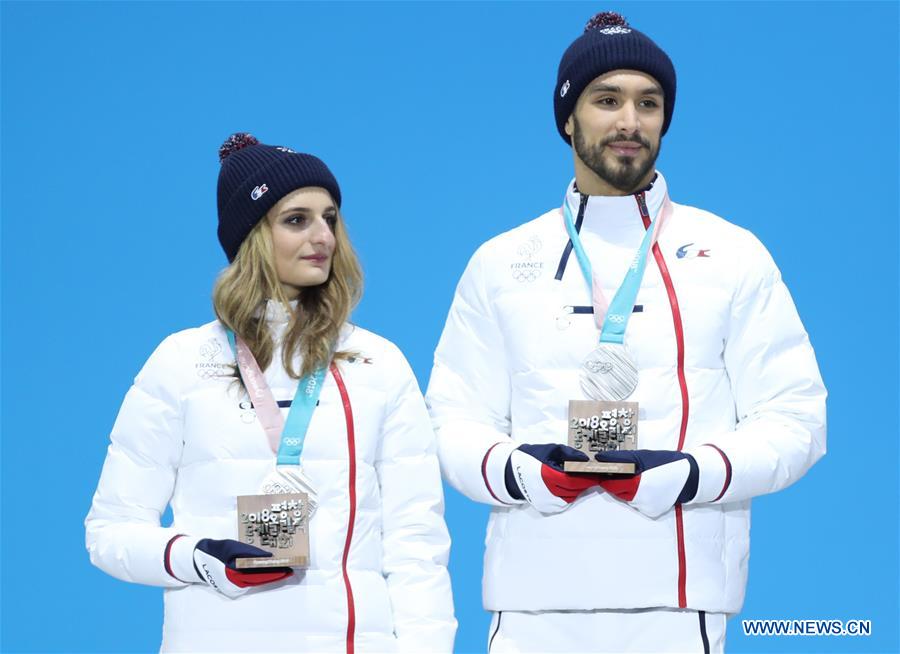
x: 277, y: 523
x: 602, y: 426
x: 289, y: 479
x: 608, y: 373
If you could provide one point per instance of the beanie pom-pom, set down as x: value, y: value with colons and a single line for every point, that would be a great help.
x: 605, y: 19
x: 235, y: 142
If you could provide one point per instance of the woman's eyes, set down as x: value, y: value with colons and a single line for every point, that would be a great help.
x: 301, y: 220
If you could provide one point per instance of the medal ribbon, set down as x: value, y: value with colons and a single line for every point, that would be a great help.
x: 286, y: 437
x: 612, y: 318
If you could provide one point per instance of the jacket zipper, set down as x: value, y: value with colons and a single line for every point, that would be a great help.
x: 573, y: 308
x: 685, y: 402
x: 351, y: 455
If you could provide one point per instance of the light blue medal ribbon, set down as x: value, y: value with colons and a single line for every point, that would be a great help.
x: 620, y: 309
x: 306, y: 397
x: 608, y: 373
x: 297, y: 424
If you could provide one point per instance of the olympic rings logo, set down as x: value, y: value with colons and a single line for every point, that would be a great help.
x: 617, y: 318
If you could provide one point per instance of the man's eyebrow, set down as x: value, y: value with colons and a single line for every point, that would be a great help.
x: 605, y: 88
x: 610, y: 88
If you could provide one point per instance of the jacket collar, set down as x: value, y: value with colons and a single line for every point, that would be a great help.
x: 276, y: 314
x: 612, y: 217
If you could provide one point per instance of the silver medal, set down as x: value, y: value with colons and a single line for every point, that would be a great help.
x: 608, y: 373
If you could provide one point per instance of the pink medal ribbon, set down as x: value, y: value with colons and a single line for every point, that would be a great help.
x: 267, y: 409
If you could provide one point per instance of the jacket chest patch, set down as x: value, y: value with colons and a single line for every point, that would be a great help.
x: 207, y: 364
x: 527, y: 265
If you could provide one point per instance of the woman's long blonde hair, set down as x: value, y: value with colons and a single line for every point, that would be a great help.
x: 242, y: 289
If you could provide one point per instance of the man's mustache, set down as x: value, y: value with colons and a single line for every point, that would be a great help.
x: 628, y: 139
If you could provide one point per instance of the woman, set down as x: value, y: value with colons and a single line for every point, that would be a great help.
x: 189, y: 435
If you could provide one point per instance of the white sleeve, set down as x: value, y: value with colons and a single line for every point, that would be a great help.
x: 416, y: 542
x: 778, y: 392
x: 469, y: 394
x: 123, y: 532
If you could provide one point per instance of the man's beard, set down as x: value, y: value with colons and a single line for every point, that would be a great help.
x: 626, y: 174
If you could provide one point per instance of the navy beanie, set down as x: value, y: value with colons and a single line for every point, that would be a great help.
x: 609, y: 43
x: 254, y: 177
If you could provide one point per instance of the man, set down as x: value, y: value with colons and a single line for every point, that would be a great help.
x: 709, y: 344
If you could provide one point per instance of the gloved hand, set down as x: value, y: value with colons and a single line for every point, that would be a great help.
x: 535, y: 473
x: 662, y: 479
x: 213, y: 562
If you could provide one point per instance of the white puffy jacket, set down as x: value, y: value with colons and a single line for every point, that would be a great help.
x: 722, y: 358
x: 183, y: 438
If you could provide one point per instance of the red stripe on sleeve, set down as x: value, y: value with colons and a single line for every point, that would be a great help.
x: 484, y: 474
x: 727, y: 471
x: 167, y: 563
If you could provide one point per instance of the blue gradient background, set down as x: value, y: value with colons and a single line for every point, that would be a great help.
x: 436, y: 119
